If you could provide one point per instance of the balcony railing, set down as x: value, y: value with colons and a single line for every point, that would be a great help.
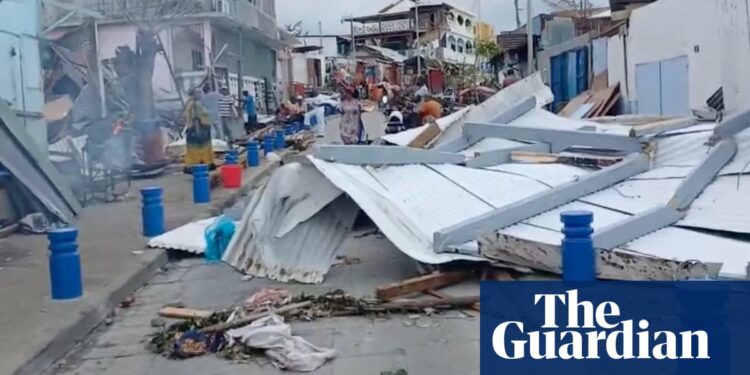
x: 241, y: 11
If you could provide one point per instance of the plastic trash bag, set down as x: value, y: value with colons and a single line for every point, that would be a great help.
x: 218, y: 235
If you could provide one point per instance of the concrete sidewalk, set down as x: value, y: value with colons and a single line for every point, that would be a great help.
x: 37, y: 331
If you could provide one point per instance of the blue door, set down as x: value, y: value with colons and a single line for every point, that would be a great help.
x: 582, y: 70
x: 558, y: 73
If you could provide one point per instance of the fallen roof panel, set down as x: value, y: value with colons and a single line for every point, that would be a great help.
x: 22, y: 157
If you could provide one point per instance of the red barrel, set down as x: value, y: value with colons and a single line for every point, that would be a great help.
x: 231, y: 175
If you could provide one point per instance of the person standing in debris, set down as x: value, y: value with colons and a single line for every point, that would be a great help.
x: 429, y: 108
x: 227, y: 112
x: 198, y: 133
x: 210, y: 101
x: 351, y: 127
x: 510, y: 78
x: 252, y: 115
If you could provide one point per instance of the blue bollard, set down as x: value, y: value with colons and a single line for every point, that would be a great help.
x: 201, y: 184
x: 253, y: 154
x: 152, y: 211
x: 280, y: 140
x: 578, y: 260
x: 64, y: 264
x: 267, y: 144
x: 231, y: 158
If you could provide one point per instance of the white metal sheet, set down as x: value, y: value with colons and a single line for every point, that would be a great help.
x: 190, y: 237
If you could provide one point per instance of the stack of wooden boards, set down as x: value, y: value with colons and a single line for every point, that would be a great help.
x: 597, y: 102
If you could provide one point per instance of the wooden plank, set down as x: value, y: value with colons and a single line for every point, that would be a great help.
x: 441, y: 295
x: 600, y: 82
x: 610, y: 102
x: 184, y: 313
x: 574, y: 103
x: 419, y: 284
x: 426, y: 136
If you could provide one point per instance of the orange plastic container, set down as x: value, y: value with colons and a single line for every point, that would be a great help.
x: 231, y: 176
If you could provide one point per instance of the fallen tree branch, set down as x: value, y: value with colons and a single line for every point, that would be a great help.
x: 253, y: 317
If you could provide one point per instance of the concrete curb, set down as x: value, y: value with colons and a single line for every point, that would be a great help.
x: 66, y: 340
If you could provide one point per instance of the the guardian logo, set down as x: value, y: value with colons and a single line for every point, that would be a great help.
x: 593, y: 332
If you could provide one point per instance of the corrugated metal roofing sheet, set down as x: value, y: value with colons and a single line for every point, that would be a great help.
x: 189, y: 237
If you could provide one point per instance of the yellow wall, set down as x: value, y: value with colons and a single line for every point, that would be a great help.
x: 484, y: 31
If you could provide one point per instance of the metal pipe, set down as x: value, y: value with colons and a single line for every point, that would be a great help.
x: 529, y: 38
x: 419, y: 45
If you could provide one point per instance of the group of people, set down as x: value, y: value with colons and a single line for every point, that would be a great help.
x: 209, y: 115
x: 427, y: 109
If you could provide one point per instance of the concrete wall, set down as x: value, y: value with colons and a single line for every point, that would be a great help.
x: 258, y: 60
x: 735, y: 52
x: 185, y: 40
x: 20, y: 65
x: 112, y: 36
x: 671, y: 28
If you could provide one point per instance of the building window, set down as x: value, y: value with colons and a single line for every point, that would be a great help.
x: 460, y: 20
x: 468, y: 23
x: 197, y: 59
x: 469, y: 47
x: 460, y: 45
x: 452, y: 43
x: 450, y: 17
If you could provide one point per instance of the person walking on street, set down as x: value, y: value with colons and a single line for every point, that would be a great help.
x: 252, y: 115
x: 197, y: 133
x: 210, y: 101
x: 351, y: 127
x: 227, y: 111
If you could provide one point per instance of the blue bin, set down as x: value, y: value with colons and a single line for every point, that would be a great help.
x: 201, y: 184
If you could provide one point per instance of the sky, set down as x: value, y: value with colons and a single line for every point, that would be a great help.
x: 499, y: 13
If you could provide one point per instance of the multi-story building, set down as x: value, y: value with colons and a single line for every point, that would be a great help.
x: 444, y: 31
x: 233, y: 38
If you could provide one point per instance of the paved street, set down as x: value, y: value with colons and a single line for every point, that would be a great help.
x: 444, y: 344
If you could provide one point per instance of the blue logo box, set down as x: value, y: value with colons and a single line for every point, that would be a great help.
x: 643, y: 328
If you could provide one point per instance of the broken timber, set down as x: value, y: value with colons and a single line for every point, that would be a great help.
x: 184, y: 313
x: 384, y: 155
x: 495, y: 157
x: 420, y: 284
x: 502, y: 217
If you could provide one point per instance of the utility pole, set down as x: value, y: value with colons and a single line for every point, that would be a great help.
x: 529, y: 37
x: 518, y: 13
x: 354, y: 47
x: 320, y: 35
x: 419, y: 45
x: 240, y: 80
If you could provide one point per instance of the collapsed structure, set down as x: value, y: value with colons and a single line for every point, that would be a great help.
x: 667, y: 198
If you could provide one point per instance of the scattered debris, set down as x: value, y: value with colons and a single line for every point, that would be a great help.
x: 158, y: 323
x: 342, y: 260
x: 267, y: 297
x: 184, y: 313
x: 127, y: 302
